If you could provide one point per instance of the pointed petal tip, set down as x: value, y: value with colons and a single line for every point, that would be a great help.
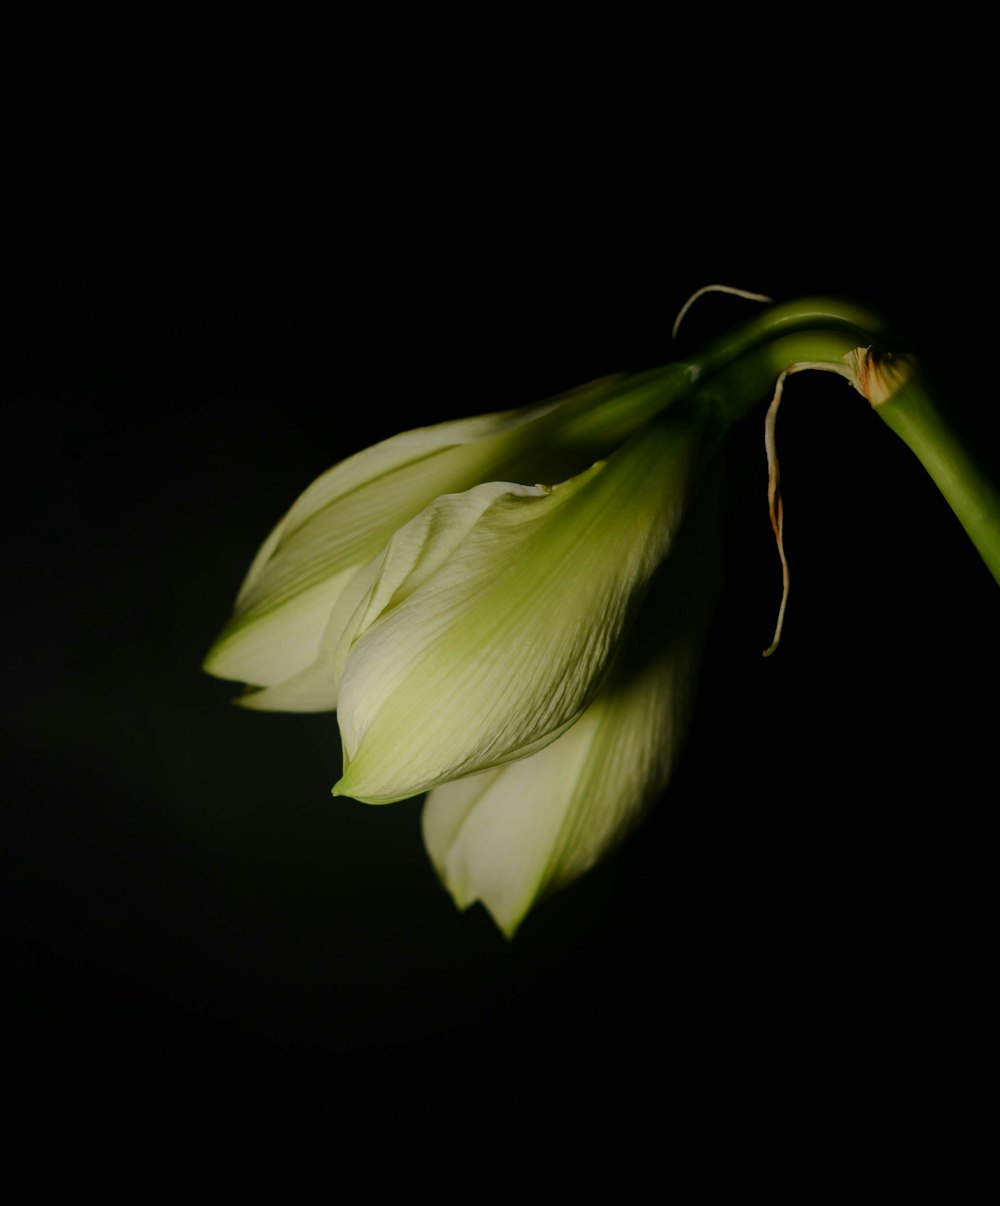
x: 343, y: 787
x: 508, y: 928
x: 507, y: 924
x: 210, y: 662
x: 218, y: 662
x: 463, y: 901
x: 464, y: 897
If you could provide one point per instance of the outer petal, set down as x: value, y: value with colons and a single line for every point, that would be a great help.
x: 480, y: 644
x: 511, y: 835
x: 343, y: 520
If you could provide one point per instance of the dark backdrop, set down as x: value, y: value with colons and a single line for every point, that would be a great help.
x: 192, y: 917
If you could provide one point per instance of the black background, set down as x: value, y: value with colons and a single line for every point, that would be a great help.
x: 194, y: 924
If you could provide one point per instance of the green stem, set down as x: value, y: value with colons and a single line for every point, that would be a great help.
x: 806, y: 316
x: 922, y: 425
x: 741, y: 367
x: 735, y: 372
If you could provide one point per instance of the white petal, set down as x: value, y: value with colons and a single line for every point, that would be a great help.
x: 482, y: 643
x: 334, y: 529
x: 315, y: 688
x: 345, y: 517
x: 511, y: 835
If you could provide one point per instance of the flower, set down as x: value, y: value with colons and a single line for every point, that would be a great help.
x: 508, y: 612
x: 494, y: 616
x: 303, y: 584
x: 512, y: 835
x: 526, y: 653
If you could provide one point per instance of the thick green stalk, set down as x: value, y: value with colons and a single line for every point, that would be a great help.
x: 751, y: 362
x: 899, y: 395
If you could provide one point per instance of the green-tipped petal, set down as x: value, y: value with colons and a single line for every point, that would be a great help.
x: 511, y: 835
x: 281, y: 622
x: 341, y: 521
x: 476, y: 650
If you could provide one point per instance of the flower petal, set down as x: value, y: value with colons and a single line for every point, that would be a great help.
x: 337, y: 525
x: 346, y: 516
x: 482, y: 642
x: 314, y: 688
x: 511, y: 835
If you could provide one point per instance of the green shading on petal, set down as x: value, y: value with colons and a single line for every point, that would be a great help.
x: 281, y: 621
x: 502, y: 643
x: 512, y: 835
